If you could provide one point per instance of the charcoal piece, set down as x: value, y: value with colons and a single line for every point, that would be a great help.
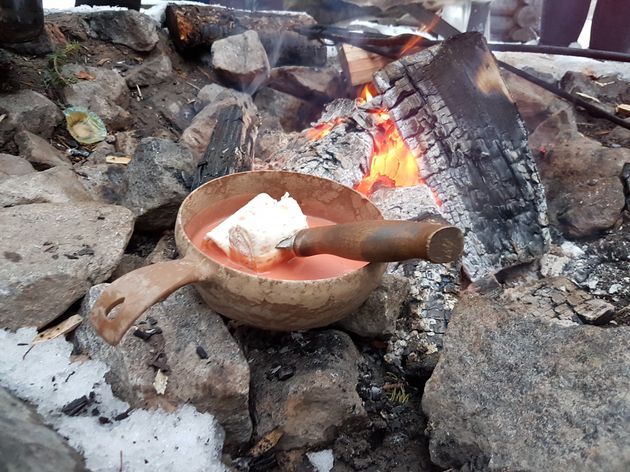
x: 201, y: 352
x: 285, y: 373
x: 76, y: 406
x: 457, y: 117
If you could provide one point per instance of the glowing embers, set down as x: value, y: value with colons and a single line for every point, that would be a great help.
x: 392, y: 164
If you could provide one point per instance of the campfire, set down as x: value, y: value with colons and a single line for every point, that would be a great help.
x: 242, y: 240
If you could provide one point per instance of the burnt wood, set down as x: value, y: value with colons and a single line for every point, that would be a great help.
x: 231, y: 146
x: 193, y: 28
x: 343, y: 155
x: 455, y: 114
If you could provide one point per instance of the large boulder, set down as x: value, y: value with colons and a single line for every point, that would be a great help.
x: 241, y: 60
x: 27, y: 110
x: 306, y: 386
x: 52, y: 253
x: 106, y: 95
x: 103, y: 181
x: 127, y: 27
x: 513, y: 391
x: 27, y: 445
x: 204, y: 364
x: 156, y: 182
x: 56, y: 185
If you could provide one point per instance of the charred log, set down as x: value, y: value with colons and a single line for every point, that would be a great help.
x: 194, y: 28
x: 338, y: 147
x: 231, y: 145
x: 455, y: 114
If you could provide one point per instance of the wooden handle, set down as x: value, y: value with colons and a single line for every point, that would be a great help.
x: 133, y: 293
x: 383, y: 241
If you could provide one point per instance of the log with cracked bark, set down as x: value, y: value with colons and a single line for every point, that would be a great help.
x: 196, y: 27
x: 456, y: 115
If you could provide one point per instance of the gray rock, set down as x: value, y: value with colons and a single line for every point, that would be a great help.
x: 56, y: 185
x: 581, y: 177
x: 104, y: 182
x: 215, y: 93
x: 27, y: 110
x: 152, y: 71
x: 308, y: 83
x: 319, y: 393
x: 294, y: 113
x: 174, y: 105
x: 11, y: 166
x: 156, y: 182
x: 39, y: 152
x: 107, y: 95
x: 129, y: 28
x: 27, y: 445
x: 165, y: 250
x: 241, y: 59
x: 126, y: 142
x: 514, y: 392
x: 218, y: 384
x: 377, y: 316
x: 52, y: 254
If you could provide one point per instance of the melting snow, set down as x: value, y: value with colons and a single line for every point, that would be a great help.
x: 149, y: 440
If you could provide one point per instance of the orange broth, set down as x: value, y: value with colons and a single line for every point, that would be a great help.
x: 321, y: 266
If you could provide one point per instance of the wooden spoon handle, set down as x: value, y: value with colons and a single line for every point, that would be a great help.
x: 383, y: 241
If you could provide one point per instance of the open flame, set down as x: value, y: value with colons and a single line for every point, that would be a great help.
x: 392, y: 164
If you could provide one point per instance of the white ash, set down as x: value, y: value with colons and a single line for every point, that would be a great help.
x: 149, y: 440
x: 323, y: 461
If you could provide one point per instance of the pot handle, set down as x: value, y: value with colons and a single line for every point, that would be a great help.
x: 135, y: 292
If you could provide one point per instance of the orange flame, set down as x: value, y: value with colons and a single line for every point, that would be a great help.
x: 392, y: 163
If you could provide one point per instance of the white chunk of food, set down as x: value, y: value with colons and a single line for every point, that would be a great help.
x: 251, y: 234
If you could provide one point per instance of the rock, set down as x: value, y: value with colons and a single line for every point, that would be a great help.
x: 294, y: 113
x: 610, y: 90
x: 126, y: 142
x: 107, y: 95
x: 215, y: 93
x: 27, y: 444
x: 27, y: 110
x: 128, y: 263
x: 558, y: 300
x: 513, y: 392
x: 39, y: 152
x: 152, y: 71
x: 319, y: 396
x: 11, y: 166
x: 241, y: 60
x: 174, y: 105
x: 534, y: 104
x: 197, y: 136
x: 104, y: 182
x: 56, y: 185
x: 164, y: 250
x: 52, y: 253
x: 218, y: 385
x: 313, y: 84
x: 156, y: 182
x: 127, y: 27
x: 581, y: 177
x: 377, y: 316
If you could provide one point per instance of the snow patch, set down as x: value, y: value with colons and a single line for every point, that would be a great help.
x: 149, y: 440
x: 322, y: 460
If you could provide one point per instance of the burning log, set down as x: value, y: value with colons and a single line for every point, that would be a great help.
x: 195, y: 28
x: 339, y: 145
x: 231, y: 145
x: 456, y: 116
